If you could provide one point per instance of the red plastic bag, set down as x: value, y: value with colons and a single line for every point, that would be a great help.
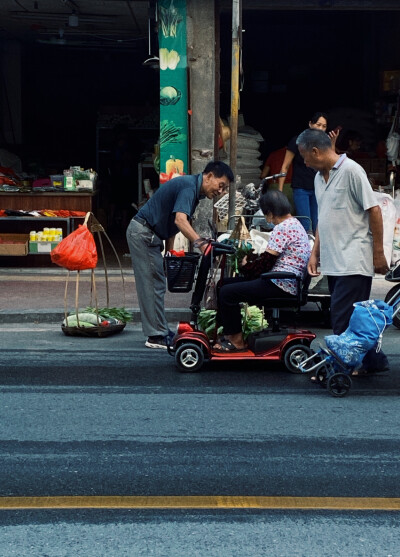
x: 77, y: 251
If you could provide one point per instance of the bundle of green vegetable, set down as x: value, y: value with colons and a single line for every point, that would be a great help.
x: 170, y: 133
x: 116, y: 313
x: 207, y: 322
x: 242, y: 248
x: 253, y: 320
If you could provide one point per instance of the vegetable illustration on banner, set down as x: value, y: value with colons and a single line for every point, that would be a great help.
x: 169, y: 95
x: 169, y: 59
x: 173, y: 89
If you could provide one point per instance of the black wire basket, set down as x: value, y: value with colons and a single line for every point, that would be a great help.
x: 180, y: 271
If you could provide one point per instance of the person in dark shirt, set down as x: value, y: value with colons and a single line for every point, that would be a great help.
x: 303, y: 176
x: 166, y: 213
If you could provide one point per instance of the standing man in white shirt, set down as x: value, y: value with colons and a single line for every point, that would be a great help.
x: 349, y: 239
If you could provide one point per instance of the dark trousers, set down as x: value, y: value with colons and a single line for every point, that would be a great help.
x: 236, y: 290
x: 345, y: 291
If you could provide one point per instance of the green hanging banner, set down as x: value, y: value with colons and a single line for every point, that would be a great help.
x: 173, y: 89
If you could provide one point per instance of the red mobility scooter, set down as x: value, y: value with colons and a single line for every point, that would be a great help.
x: 191, y: 347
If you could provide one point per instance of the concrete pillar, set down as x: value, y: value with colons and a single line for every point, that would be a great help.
x: 202, y: 41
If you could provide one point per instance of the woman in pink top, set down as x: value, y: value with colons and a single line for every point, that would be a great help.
x: 288, y: 249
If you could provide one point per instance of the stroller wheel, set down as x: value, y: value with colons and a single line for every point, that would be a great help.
x: 339, y: 384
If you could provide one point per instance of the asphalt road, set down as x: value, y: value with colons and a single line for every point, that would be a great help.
x: 91, y: 417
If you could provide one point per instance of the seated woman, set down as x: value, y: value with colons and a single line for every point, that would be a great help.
x: 288, y: 249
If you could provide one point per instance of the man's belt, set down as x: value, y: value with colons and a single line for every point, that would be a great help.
x: 143, y: 222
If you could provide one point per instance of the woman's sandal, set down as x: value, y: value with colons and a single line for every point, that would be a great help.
x: 226, y: 346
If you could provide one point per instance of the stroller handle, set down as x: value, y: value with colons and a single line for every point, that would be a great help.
x: 393, y: 275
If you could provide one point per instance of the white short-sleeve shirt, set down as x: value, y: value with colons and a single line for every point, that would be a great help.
x: 343, y: 220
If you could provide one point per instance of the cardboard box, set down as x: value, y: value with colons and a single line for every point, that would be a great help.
x: 86, y: 185
x: 42, y: 247
x: 8, y: 247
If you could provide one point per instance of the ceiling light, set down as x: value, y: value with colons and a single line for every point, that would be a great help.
x: 153, y: 62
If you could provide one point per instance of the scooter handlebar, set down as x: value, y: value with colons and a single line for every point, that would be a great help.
x: 221, y: 249
x: 274, y: 177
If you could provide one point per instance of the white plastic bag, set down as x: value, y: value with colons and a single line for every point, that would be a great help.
x: 388, y: 209
x: 259, y: 240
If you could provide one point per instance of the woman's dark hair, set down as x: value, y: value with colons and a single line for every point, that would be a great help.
x: 317, y: 115
x: 219, y: 169
x: 275, y: 202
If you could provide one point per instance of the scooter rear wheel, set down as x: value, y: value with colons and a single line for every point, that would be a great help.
x: 189, y: 357
x: 295, y: 355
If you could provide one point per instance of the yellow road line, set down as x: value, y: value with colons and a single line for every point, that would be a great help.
x: 201, y: 502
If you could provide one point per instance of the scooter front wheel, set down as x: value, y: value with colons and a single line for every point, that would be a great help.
x: 295, y: 355
x: 189, y: 357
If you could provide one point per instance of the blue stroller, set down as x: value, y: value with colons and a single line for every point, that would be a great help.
x: 334, y: 363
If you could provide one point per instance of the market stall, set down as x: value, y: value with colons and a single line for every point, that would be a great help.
x: 36, y: 215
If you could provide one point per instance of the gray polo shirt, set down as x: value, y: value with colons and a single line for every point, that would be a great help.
x: 343, y: 220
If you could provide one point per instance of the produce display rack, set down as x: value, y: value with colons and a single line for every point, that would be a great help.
x: 16, y: 224
x: 42, y: 220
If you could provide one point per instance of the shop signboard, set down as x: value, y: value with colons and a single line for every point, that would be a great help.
x: 173, y: 157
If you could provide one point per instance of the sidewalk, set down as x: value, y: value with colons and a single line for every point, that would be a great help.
x: 37, y: 294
